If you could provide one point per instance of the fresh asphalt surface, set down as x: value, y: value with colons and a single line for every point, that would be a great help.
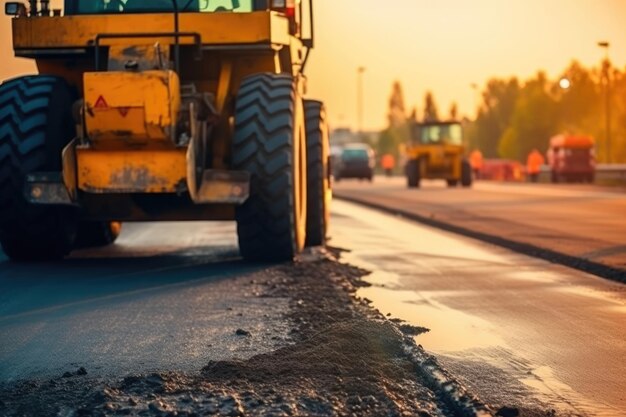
x: 170, y: 297
x: 581, y: 220
x: 167, y: 296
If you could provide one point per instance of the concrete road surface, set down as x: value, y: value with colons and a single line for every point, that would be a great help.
x: 583, y: 221
x: 516, y: 329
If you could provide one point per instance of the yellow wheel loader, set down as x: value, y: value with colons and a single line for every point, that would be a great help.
x: 148, y: 110
x: 436, y: 151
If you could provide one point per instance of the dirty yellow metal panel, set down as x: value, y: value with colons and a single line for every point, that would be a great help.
x: 214, y: 29
x: 131, y: 105
x: 146, y: 57
x: 132, y: 171
x: 443, y: 161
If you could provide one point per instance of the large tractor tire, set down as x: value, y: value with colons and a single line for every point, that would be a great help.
x: 97, y: 234
x: 35, y: 124
x: 318, y: 173
x: 466, y: 174
x: 413, y: 173
x: 269, y: 142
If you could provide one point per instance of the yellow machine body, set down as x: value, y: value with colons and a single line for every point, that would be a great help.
x: 131, y: 171
x: 163, y: 110
x: 131, y: 105
x: 130, y: 119
x: 439, y: 161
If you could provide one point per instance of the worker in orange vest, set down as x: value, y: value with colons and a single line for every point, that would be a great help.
x: 476, y: 161
x: 388, y: 162
x: 533, y: 164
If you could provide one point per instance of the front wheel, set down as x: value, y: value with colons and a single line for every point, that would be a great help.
x: 413, y: 173
x: 269, y: 142
x: 97, y: 234
x: 466, y: 174
x: 35, y: 125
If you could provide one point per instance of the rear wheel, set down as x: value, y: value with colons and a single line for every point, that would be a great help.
x: 466, y: 174
x: 413, y: 173
x: 35, y: 125
x: 452, y: 183
x: 318, y: 173
x: 96, y: 234
x: 270, y: 143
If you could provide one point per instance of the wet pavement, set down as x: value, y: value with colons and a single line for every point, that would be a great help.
x: 515, y: 329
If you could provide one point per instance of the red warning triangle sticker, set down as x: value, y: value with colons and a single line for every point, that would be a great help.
x: 123, y: 111
x: 101, y: 103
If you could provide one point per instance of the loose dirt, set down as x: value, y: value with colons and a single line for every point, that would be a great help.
x: 341, y: 358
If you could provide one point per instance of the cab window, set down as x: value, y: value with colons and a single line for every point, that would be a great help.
x: 443, y: 133
x: 158, y: 6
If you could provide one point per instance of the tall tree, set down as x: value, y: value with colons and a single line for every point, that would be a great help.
x: 454, y: 111
x: 534, y: 120
x: 430, y: 108
x: 396, y: 134
x: 580, y: 102
x: 397, y: 131
x: 397, y: 112
x: 494, y: 115
x: 618, y: 104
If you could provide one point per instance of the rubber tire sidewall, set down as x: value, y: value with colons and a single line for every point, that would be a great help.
x: 413, y: 173
x: 466, y: 174
x: 269, y: 142
x: 318, y: 173
x: 29, y: 232
x: 95, y: 234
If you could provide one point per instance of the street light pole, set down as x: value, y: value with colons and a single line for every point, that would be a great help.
x: 607, y: 98
x: 359, y: 100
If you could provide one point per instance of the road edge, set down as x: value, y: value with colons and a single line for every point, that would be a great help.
x: 581, y: 264
x: 450, y: 391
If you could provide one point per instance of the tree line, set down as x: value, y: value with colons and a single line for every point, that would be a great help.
x: 517, y: 116
x: 514, y: 117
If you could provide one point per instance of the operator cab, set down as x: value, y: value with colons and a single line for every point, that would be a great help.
x: 74, y: 7
x: 438, y: 133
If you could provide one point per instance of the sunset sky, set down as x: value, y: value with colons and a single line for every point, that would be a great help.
x: 438, y: 45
